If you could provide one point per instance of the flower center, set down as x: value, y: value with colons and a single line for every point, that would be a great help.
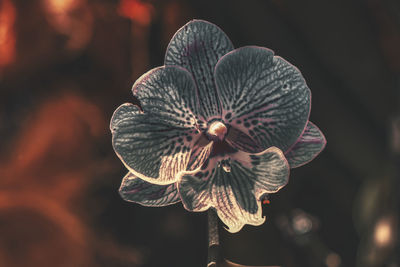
x: 217, y: 130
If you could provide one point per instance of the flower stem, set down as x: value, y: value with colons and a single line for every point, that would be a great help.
x: 213, y: 239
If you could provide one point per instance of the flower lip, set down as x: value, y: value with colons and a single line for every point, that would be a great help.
x: 217, y: 130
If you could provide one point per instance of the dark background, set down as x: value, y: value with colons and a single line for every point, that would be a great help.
x: 66, y: 65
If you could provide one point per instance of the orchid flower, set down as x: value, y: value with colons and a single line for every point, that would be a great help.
x: 217, y: 127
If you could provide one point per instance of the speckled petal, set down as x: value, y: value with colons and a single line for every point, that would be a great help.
x: 234, y: 186
x: 136, y: 190
x: 309, y: 145
x: 156, y: 144
x: 263, y: 96
x: 240, y: 140
x: 197, y: 47
x: 201, y: 151
x: 170, y: 92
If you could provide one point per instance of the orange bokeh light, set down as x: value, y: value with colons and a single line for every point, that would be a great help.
x: 61, y: 6
x: 72, y: 18
x: 7, y: 33
x: 49, y: 166
x: 136, y: 11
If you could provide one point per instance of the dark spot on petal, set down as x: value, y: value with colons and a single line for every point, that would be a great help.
x: 228, y: 116
x: 246, y: 124
x: 254, y: 122
x: 254, y: 157
x: 285, y: 86
x: 205, y: 164
x: 189, y: 138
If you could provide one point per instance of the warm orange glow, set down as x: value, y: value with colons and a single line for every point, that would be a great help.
x: 7, y: 33
x: 64, y: 236
x: 72, y: 18
x: 136, y: 10
x: 61, y: 6
x: 44, y: 183
x: 50, y: 164
x: 60, y: 124
x: 383, y: 234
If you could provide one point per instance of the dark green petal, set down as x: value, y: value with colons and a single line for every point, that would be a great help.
x: 263, y: 96
x: 200, y: 153
x: 197, y: 47
x: 309, y: 145
x: 169, y: 92
x: 156, y: 144
x: 136, y: 190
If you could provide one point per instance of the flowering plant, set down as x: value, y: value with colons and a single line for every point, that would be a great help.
x: 217, y: 127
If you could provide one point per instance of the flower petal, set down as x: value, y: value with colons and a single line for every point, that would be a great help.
x: 200, y: 153
x: 238, y: 139
x: 155, y: 145
x: 168, y: 91
x: 234, y: 186
x: 309, y: 145
x: 197, y: 47
x: 263, y: 96
x: 136, y: 190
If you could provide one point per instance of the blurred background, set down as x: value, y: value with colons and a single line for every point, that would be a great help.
x: 66, y: 65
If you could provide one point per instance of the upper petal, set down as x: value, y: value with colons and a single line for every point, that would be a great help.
x: 234, y: 185
x: 309, y: 145
x: 156, y: 144
x: 263, y: 96
x: 197, y: 47
x: 168, y: 91
x: 136, y: 190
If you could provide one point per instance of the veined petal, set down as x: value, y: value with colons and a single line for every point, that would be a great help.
x: 200, y: 153
x: 240, y: 140
x: 234, y: 185
x: 309, y: 145
x: 169, y: 92
x: 263, y: 96
x: 156, y: 144
x: 152, y: 146
x: 136, y: 190
x: 197, y: 47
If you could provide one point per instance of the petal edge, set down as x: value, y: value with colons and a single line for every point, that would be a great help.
x: 309, y: 145
x: 133, y: 189
x: 263, y: 96
x: 233, y: 186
